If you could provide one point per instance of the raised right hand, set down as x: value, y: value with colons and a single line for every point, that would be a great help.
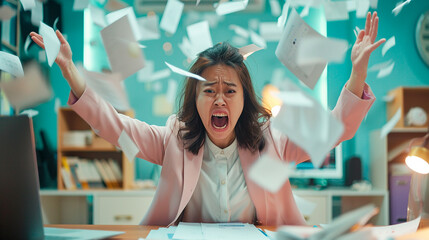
x: 64, y: 56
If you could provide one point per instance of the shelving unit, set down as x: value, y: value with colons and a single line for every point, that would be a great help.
x: 99, y: 148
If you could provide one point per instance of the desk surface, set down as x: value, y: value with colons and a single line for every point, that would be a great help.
x: 131, y: 231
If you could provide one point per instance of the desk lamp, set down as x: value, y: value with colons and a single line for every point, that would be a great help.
x: 418, y: 161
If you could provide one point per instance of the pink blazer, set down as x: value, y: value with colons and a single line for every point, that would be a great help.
x: 181, y: 169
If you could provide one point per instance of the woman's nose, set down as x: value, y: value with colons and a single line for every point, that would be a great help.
x: 219, y: 101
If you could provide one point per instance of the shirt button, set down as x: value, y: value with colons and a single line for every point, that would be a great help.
x: 223, y: 182
x: 225, y: 211
x: 221, y: 152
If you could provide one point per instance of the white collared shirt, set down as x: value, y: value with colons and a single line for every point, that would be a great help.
x: 221, y: 193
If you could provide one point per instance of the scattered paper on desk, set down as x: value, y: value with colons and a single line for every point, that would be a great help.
x: 295, y: 31
x: 37, y: 14
x: 399, y: 7
x: 6, y: 12
x: 78, y: 233
x: 305, y: 206
x: 269, y: 173
x: 386, y: 70
x: 29, y: 90
x: 109, y: 86
x: 171, y: 16
x: 28, y: 4
x: 98, y: 16
x: 388, y: 232
x: 390, y: 124
x: 189, y: 231
x: 51, y: 41
x: 336, y: 11
x: 128, y: 146
x: 231, y: 231
x: 314, y: 129
x: 199, y: 36
x: 149, y: 27
x: 229, y: 7
x: 80, y: 5
x: 316, y: 50
x: 362, y: 7
x: 388, y: 45
x: 161, y: 233
x: 184, y: 73
x: 248, y: 50
x: 11, y: 63
x: 282, y: 19
x: 258, y: 40
x: 129, y: 12
x: 121, y: 47
x: 239, y: 30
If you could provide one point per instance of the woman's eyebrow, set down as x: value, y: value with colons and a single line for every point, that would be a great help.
x: 230, y: 84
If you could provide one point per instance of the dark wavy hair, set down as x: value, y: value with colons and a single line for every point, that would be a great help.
x: 248, y: 129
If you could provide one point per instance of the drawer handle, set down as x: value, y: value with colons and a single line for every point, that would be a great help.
x: 123, y: 218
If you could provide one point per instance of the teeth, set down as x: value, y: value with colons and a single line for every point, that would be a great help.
x: 224, y: 126
x: 220, y: 115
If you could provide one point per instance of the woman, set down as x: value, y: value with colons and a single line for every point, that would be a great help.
x: 219, y: 132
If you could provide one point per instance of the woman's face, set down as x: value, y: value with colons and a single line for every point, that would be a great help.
x: 220, y: 102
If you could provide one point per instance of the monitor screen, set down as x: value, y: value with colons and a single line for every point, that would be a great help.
x: 332, y: 167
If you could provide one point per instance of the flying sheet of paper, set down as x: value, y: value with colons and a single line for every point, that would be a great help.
x: 316, y: 50
x: 269, y: 31
x: 399, y: 7
x: 28, y: 4
x: 388, y: 45
x: 80, y: 5
x: 171, y: 16
x: 124, y: 54
x: 294, y: 98
x: 239, y: 30
x: 109, y: 86
x: 114, y: 5
x: 269, y: 173
x: 97, y: 16
x: 388, y: 232
x: 362, y: 7
x: 154, y: 76
x: 388, y: 98
x: 149, y: 27
x: 258, y: 40
x: 386, y: 71
x: 145, y: 73
x: 6, y: 12
x: 184, y: 73
x: 186, y: 48
x: 379, y: 66
x: 51, y: 41
x: 30, y: 112
x: 37, y: 14
x: 373, y: 4
x: 230, y: 7
x: 295, y: 31
x: 390, y: 124
x: 248, y: 50
x: 314, y: 129
x: 282, y: 19
x: 306, y: 9
x: 129, y: 12
x: 29, y: 90
x: 275, y: 8
x: 336, y: 11
x: 128, y: 146
x: 11, y: 63
x: 199, y: 36
x: 305, y: 206
x: 27, y: 43
x: 171, y: 91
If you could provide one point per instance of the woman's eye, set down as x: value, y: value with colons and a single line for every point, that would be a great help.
x: 231, y: 91
x: 209, y: 91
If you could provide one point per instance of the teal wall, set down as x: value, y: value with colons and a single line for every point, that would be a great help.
x: 409, y: 69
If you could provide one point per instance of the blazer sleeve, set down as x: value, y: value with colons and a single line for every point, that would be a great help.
x: 108, y: 124
x: 350, y: 110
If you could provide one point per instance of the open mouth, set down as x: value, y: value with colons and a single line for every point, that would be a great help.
x: 219, y: 120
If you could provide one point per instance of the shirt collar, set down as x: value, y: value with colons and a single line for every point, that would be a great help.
x: 228, y: 151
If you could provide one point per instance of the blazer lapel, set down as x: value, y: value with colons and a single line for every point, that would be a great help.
x: 257, y: 194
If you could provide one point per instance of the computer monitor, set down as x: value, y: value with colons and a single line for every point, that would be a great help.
x: 332, y: 167
x: 20, y: 213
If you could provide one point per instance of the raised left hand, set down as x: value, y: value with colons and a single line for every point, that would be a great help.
x: 365, y: 44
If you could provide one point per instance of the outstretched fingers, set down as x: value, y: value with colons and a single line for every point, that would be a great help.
x: 377, y: 44
x: 368, y: 23
x: 374, y: 30
x: 37, y: 39
x: 60, y: 37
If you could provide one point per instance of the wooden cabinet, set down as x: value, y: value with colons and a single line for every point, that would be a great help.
x: 97, y: 148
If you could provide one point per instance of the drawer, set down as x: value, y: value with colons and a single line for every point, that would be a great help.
x: 114, y: 210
